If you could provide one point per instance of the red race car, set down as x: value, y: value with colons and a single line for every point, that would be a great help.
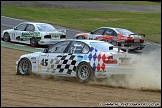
x: 116, y: 36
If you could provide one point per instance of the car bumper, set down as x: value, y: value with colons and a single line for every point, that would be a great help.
x: 115, y: 70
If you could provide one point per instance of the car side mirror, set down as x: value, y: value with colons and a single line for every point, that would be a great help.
x: 91, y: 32
x: 15, y: 28
x: 45, y: 50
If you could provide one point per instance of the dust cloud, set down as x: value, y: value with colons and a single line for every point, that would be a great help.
x: 147, y: 75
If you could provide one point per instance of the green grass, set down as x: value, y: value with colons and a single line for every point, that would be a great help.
x: 87, y: 20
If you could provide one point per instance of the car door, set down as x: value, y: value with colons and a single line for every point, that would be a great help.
x: 17, y: 32
x: 96, y: 33
x: 28, y: 32
x: 110, y: 35
x: 76, y: 53
x: 51, y: 62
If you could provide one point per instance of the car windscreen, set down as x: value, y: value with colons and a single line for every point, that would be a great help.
x: 102, y: 46
x: 124, y: 31
x: 45, y: 27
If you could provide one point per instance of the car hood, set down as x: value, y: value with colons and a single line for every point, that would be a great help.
x: 8, y: 30
x: 35, y: 54
x: 85, y: 35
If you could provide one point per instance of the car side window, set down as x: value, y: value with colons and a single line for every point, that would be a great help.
x: 78, y: 47
x: 110, y: 32
x: 30, y: 27
x: 114, y: 33
x: 39, y: 28
x: 58, y: 48
x: 99, y: 31
x: 21, y: 27
x: 85, y: 49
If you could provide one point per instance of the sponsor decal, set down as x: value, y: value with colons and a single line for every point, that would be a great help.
x: 39, y: 67
x: 34, y: 67
x: 33, y: 59
x: 30, y: 34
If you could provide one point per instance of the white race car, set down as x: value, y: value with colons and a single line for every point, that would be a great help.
x: 83, y: 59
x: 33, y: 33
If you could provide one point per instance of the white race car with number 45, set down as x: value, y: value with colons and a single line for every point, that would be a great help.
x: 83, y: 59
x: 33, y: 33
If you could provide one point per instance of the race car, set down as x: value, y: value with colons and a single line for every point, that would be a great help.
x: 116, y: 36
x: 83, y: 59
x: 33, y: 33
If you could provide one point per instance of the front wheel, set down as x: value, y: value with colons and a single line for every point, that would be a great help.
x: 84, y: 73
x: 24, y: 67
x: 33, y: 42
x: 81, y: 37
x: 6, y: 37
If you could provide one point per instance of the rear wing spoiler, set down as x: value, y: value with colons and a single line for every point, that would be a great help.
x: 62, y: 30
x: 138, y: 34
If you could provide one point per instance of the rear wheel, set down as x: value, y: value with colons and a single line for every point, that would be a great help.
x: 33, y: 42
x: 6, y: 37
x: 24, y: 67
x: 84, y: 73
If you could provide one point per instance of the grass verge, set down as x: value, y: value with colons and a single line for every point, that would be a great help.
x: 87, y: 20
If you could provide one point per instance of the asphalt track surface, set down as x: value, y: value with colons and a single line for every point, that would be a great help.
x: 8, y: 23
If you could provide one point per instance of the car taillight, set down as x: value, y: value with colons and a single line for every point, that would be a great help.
x: 128, y: 39
x: 63, y: 36
x: 110, y: 60
x: 47, y: 36
x: 141, y: 40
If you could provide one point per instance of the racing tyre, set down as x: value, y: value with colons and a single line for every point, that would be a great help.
x: 33, y: 42
x: 24, y: 67
x: 6, y: 37
x: 81, y: 37
x: 84, y: 73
